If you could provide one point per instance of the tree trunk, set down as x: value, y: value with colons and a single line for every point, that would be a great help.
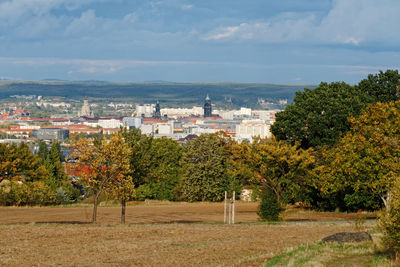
x: 96, y: 199
x: 387, y: 200
x: 123, y: 202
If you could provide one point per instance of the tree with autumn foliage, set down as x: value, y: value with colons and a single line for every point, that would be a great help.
x: 18, y: 161
x: 104, y: 166
x: 281, y: 167
x: 367, y: 159
x: 123, y: 189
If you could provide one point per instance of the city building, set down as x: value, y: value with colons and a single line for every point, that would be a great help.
x: 146, y: 110
x: 207, y: 107
x: 177, y: 113
x: 248, y: 129
x: 50, y: 134
x: 109, y: 123
x: 132, y: 122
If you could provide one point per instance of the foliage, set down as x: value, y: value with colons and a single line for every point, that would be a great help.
x: 140, y: 158
x: 53, y: 164
x: 319, y: 116
x: 155, y: 165
x: 204, y: 169
x: 389, y: 222
x: 21, y: 194
x: 62, y: 196
x: 282, y: 167
x: 269, y: 208
x: 382, y: 87
x: 17, y: 161
x: 104, y: 164
x: 366, y: 160
x: 43, y: 151
x: 240, y: 159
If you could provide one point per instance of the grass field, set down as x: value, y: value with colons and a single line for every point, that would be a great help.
x: 156, y: 234
x: 332, y: 255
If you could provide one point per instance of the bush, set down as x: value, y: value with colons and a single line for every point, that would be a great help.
x: 62, y: 196
x: 269, y: 208
x: 160, y: 190
x: 389, y: 223
x: 21, y: 194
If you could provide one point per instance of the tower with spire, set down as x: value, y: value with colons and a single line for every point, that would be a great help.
x: 207, y: 107
x: 157, y: 113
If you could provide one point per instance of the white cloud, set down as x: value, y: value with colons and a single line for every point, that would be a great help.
x: 351, y: 22
x: 361, y: 21
x: 85, y: 24
x: 286, y: 27
x: 187, y: 7
x: 131, y: 17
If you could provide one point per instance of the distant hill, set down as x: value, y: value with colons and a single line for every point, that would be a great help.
x: 241, y: 94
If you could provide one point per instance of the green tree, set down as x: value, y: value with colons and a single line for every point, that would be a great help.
x: 43, y: 151
x: 319, y: 116
x: 205, y: 165
x: 140, y: 158
x: 382, y: 87
x: 163, y: 173
x: 53, y: 164
x: 367, y: 159
x: 269, y: 208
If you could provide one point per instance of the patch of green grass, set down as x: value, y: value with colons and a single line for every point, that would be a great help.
x: 332, y: 254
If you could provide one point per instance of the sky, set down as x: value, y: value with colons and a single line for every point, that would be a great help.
x: 285, y: 41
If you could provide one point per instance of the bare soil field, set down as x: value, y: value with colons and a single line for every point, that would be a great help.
x: 156, y: 212
x: 153, y: 244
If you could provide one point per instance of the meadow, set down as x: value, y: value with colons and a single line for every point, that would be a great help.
x: 158, y: 234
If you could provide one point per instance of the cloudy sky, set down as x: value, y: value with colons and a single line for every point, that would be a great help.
x: 285, y: 41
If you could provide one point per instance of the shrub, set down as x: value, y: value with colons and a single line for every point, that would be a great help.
x: 269, y: 208
x: 40, y: 194
x: 389, y: 223
x: 62, y: 196
x: 20, y: 194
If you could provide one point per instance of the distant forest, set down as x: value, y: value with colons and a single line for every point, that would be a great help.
x: 235, y: 94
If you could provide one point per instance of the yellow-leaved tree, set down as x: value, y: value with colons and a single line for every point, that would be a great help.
x: 103, y: 166
x: 367, y: 159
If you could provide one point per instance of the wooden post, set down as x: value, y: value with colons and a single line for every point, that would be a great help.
x: 233, y: 207
x: 226, y: 196
x: 230, y: 212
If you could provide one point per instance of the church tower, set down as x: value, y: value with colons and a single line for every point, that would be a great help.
x: 85, y: 111
x: 157, y: 113
x: 207, y: 107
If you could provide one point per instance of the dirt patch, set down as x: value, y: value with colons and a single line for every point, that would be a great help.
x: 152, y: 245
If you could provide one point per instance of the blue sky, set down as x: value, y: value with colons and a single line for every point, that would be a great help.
x: 285, y: 41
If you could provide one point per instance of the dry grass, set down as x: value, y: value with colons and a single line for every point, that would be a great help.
x: 156, y: 212
x: 152, y: 245
x: 157, y: 234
